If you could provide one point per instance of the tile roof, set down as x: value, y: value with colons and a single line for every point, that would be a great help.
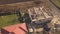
x: 17, y: 29
x: 0, y: 32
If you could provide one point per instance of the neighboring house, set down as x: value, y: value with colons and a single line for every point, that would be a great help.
x: 14, y: 29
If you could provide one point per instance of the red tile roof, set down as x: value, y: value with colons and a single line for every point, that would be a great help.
x: 18, y: 31
x: 16, y: 28
x: 0, y: 32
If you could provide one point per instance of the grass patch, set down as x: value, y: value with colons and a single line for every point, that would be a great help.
x: 8, y: 20
x: 57, y: 2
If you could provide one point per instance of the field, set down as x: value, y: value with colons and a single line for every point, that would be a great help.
x: 57, y: 2
x: 8, y: 20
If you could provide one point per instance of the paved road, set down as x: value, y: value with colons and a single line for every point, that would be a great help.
x: 55, y: 10
x: 12, y: 1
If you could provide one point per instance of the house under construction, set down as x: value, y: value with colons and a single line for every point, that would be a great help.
x: 34, y: 12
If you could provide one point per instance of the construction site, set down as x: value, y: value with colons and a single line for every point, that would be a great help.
x: 29, y: 17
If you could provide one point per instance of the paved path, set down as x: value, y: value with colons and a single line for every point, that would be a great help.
x: 12, y: 1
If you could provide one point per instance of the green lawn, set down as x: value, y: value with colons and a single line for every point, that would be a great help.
x: 57, y: 2
x: 8, y: 20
